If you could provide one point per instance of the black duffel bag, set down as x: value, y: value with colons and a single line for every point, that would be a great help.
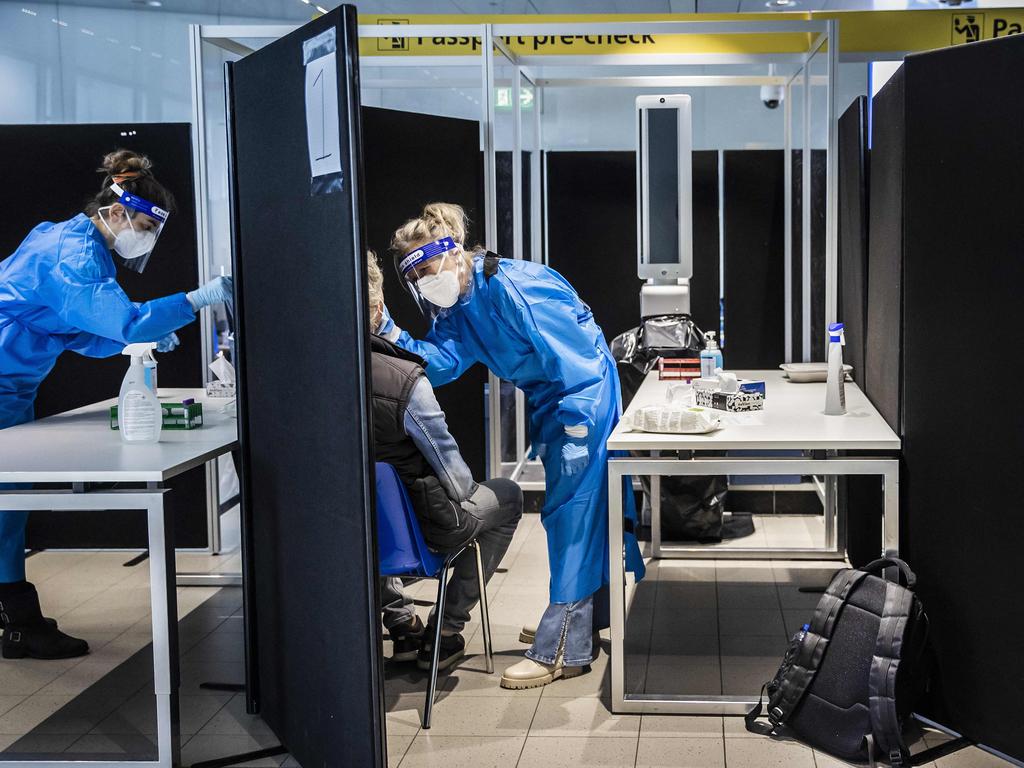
x: 852, y: 676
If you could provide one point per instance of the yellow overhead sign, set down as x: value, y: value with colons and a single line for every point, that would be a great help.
x: 860, y: 33
x: 913, y: 31
x: 580, y: 44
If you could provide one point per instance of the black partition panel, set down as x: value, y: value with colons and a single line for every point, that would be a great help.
x: 411, y: 159
x: 819, y: 185
x: 595, y: 224
x: 705, y: 285
x: 862, y: 496
x: 51, y: 174
x: 307, y: 471
x: 853, y: 231
x: 883, y: 351
x: 754, y: 258
x: 962, y: 236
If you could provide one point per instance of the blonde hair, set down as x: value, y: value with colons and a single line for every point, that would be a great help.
x: 437, y: 220
x: 375, y: 280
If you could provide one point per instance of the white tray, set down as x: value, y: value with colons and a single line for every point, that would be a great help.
x: 803, y: 373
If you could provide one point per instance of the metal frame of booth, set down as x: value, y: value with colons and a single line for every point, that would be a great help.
x: 541, y: 72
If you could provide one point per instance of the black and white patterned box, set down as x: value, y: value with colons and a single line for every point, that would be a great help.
x: 737, y: 402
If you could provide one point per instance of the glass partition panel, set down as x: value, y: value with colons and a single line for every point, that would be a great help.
x: 508, y: 187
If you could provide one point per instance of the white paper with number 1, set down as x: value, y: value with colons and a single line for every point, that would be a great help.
x: 322, y: 124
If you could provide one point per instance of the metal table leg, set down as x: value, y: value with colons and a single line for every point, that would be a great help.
x: 617, y: 579
x: 164, y: 612
x: 165, y: 631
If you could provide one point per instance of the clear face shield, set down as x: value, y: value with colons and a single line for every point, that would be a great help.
x: 134, y: 244
x: 436, y: 275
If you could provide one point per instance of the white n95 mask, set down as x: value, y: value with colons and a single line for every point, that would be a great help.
x: 131, y: 244
x: 441, y: 290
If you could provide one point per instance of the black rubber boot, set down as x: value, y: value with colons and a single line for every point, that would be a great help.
x: 28, y: 634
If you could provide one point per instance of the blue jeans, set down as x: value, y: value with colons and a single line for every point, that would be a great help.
x: 565, y: 630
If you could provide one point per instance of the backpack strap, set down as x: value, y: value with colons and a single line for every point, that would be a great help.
x: 491, y: 264
x: 812, y: 650
x: 885, y: 723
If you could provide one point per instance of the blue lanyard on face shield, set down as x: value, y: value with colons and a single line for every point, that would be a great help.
x: 424, y: 253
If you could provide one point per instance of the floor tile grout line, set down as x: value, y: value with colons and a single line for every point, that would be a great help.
x: 408, y: 746
x: 529, y: 728
x: 725, y: 752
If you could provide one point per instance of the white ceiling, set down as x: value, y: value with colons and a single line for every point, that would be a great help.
x: 298, y: 11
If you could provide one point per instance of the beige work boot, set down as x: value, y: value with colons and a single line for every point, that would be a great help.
x: 528, y: 634
x: 532, y: 674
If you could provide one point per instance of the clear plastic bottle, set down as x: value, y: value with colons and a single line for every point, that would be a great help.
x: 835, y: 396
x: 139, y: 419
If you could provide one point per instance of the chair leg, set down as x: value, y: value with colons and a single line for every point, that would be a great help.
x: 442, y: 583
x: 485, y: 613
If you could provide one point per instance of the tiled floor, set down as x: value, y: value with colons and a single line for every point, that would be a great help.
x: 697, y: 626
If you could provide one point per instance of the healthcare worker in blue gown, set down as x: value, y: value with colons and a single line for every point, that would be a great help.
x: 59, y: 291
x: 527, y: 324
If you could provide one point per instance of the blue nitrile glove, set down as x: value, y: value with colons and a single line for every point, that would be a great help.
x: 219, y: 290
x: 537, y: 451
x: 575, y: 455
x: 387, y: 327
x: 167, y: 343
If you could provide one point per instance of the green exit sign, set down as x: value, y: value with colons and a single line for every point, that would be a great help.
x: 503, y: 98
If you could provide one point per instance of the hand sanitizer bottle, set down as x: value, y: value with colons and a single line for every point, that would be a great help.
x: 138, y: 411
x: 710, y: 357
x: 835, y: 396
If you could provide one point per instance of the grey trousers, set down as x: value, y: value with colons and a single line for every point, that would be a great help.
x: 498, y: 505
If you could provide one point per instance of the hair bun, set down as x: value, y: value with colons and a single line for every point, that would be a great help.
x: 124, y: 161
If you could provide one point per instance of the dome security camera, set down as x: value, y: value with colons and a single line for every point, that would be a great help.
x: 772, y: 95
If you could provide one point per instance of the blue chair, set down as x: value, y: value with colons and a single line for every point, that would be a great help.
x: 403, y: 552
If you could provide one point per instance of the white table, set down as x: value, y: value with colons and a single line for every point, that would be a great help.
x: 78, y: 447
x: 793, y: 419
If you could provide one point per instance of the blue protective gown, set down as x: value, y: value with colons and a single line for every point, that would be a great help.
x: 58, y: 292
x: 528, y: 326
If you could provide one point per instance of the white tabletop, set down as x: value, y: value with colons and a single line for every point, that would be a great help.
x: 793, y: 418
x: 80, y: 446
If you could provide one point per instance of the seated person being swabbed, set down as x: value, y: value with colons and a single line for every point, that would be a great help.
x: 410, y: 433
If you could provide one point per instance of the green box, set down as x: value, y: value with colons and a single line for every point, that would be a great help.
x: 175, y: 415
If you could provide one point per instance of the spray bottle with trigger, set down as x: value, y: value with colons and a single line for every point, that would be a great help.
x: 139, y: 416
x: 835, y: 395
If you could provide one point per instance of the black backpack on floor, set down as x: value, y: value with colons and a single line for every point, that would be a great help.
x: 851, y: 678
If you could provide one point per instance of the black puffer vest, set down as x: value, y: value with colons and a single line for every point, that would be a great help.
x: 445, y: 525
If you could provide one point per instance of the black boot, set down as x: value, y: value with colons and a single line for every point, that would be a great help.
x: 27, y: 633
x: 406, y: 640
x: 453, y: 648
